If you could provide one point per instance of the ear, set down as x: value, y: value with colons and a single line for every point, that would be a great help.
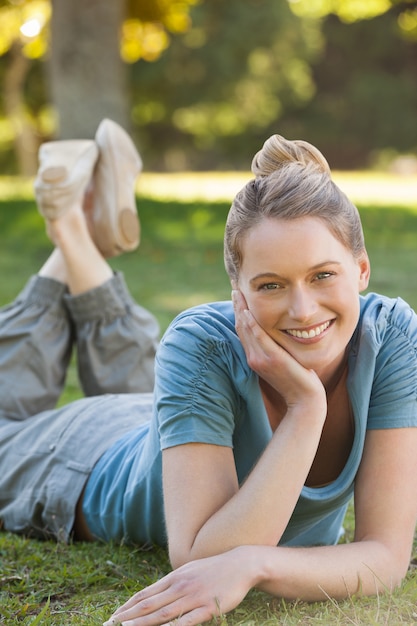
x: 365, y: 271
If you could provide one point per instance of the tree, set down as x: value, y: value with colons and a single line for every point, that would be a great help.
x: 234, y: 72
x: 248, y: 69
x: 88, y: 40
x: 22, y: 39
x: 86, y: 74
x: 222, y: 83
x: 366, y: 101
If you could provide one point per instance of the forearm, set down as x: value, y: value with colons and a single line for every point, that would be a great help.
x: 260, y: 510
x: 202, y: 589
x: 317, y: 573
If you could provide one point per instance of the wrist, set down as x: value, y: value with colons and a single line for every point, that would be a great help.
x: 312, y: 412
x: 254, y: 560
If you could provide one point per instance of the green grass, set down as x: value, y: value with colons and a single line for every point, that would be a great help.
x: 179, y: 264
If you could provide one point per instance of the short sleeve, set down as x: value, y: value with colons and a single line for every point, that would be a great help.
x: 393, y: 402
x: 197, y: 377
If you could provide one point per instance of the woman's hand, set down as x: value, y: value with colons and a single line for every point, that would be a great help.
x: 272, y: 363
x: 192, y: 594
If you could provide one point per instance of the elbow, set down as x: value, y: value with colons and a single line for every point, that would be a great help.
x: 176, y: 559
x: 179, y: 556
x: 398, y: 565
x: 399, y: 572
x: 392, y: 572
x: 392, y: 581
x: 177, y: 562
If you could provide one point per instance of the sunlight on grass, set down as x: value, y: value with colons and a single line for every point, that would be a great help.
x: 363, y: 187
x: 377, y: 188
x: 16, y: 187
x: 189, y: 186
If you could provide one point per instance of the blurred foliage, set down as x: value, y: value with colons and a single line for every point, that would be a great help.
x: 366, y: 98
x: 145, y: 33
x: 347, y: 10
x: 225, y: 75
x: 24, y: 22
x: 247, y: 70
x: 352, y: 10
x: 227, y: 79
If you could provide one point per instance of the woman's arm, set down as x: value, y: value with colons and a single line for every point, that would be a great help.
x: 377, y: 560
x: 385, y: 520
x: 206, y: 512
x: 385, y: 512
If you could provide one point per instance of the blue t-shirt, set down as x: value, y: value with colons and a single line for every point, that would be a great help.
x: 205, y: 392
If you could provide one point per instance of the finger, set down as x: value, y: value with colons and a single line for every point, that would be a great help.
x: 239, y: 300
x: 241, y: 314
x: 181, y: 611
x: 194, y: 617
x: 148, y: 592
x: 255, y: 330
x: 144, y: 609
x: 251, y: 333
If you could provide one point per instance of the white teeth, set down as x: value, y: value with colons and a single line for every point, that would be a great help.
x: 309, y: 334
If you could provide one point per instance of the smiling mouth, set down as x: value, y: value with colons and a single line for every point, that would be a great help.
x: 309, y: 334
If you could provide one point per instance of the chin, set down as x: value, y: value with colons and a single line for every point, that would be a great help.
x: 312, y: 361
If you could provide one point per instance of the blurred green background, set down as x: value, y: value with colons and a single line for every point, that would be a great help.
x: 202, y: 83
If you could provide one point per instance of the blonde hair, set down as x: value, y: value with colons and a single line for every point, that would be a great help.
x: 292, y: 180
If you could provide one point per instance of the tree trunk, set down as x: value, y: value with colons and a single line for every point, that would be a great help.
x: 25, y: 143
x: 87, y: 76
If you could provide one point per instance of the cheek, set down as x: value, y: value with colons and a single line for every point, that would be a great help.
x: 349, y: 298
x: 349, y: 311
x: 265, y: 314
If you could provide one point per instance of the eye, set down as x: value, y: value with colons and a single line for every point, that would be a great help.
x: 269, y: 286
x: 323, y: 275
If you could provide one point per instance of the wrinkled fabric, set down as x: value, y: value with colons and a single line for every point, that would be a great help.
x: 47, y: 454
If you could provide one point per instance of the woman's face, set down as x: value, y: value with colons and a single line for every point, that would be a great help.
x: 302, y: 286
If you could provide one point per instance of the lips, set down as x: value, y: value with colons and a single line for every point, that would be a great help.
x: 308, y: 334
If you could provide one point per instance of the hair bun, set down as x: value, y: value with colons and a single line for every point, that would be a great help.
x: 278, y: 152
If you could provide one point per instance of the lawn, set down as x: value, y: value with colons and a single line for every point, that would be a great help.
x: 179, y: 264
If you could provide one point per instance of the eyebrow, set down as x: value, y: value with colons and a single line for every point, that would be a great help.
x: 264, y: 275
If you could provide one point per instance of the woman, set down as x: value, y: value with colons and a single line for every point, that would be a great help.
x: 274, y: 413
x: 268, y: 414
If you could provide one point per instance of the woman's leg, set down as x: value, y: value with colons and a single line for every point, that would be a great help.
x: 35, y: 348
x: 46, y: 460
x: 36, y: 331
x: 76, y: 261
x: 116, y: 338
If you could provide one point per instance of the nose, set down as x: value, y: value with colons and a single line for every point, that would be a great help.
x: 302, y: 304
